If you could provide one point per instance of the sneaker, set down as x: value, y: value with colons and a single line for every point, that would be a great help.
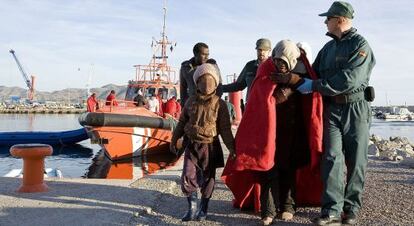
x: 349, y: 218
x: 267, y: 221
x: 286, y: 216
x: 327, y: 220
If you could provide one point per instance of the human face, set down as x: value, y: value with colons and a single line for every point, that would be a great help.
x: 206, y: 84
x: 262, y: 54
x: 281, y: 65
x: 332, y: 23
x: 202, y: 56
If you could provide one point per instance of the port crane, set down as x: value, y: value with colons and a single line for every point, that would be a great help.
x: 29, y: 82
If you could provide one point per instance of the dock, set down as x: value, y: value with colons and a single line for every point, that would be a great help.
x: 157, y: 200
x: 42, y: 111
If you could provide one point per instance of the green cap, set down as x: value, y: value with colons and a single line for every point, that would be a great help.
x: 340, y: 8
x: 263, y: 43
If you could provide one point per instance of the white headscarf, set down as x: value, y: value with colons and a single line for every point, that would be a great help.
x: 287, y: 51
x: 300, y: 67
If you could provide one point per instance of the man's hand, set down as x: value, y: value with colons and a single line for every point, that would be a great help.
x: 306, y: 86
x: 280, y: 78
x: 290, y: 79
x: 282, y: 94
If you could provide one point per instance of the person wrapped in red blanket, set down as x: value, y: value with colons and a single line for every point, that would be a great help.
x: 259, y: 138
x: 92, y: 103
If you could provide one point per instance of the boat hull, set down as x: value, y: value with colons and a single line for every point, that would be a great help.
x: 133, y: 168
x: 128, y: 142
x: 52, y: 138
x: 147, y: 134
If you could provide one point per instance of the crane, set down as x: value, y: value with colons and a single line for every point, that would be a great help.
x: 29, y: 82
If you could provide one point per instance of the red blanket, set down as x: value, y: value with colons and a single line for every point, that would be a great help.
x: 255, y: 143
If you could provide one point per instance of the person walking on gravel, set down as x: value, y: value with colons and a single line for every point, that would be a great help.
x: 344, y: 67
x: 204, y: 117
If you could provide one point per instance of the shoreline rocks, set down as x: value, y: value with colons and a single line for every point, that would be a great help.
x: 396, y: 149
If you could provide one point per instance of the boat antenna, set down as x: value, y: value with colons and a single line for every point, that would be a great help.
x: 165, y: 15
x: 164, y: 41
x: 158, y: 65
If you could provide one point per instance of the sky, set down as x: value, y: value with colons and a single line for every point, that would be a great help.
x: 74, y: 43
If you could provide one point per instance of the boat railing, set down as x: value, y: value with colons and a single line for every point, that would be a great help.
x: 109, y: 106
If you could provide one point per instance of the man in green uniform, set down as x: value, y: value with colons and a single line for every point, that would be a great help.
x: 246, y: 77
x: 344, y: 66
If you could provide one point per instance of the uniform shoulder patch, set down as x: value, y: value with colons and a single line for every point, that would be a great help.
x: 362, y: 53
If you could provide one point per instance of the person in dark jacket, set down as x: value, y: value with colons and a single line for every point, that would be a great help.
x: 242, y: 106
x: 203, y: 118
x: 230, y: 107
x: 187, y: 86
x: 247, y: 75
x: 139, y: 100
x: 344, y: 67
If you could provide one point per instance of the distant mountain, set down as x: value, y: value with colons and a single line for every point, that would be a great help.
x: 73, y: 95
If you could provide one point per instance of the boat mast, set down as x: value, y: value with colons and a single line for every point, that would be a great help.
x: 164, y: 38
x: 162, y: 65
x: 158, y: 67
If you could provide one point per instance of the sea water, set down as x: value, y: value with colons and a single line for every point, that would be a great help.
x: 74, y: 161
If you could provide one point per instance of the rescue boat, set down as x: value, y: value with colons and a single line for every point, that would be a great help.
x: 124, y: 130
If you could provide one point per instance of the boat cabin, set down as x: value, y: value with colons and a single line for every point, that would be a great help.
x: 165, y: 90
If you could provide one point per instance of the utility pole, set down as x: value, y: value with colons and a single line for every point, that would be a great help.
x: 386, y: 99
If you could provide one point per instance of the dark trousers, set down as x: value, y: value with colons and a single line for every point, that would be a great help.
x: 292, y: 152
x: 287, y: 182
x: 198, y: 170
x: 269, y: 193
x: 277, y: 191
x: 346, y: 136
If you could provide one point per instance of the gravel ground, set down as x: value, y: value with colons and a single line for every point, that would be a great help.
x: 388, y: 200
x: 389, y: 195
x: 157, y: 200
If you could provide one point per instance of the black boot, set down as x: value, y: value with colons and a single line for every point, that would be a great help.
x: 349, y: 218
x: 202, y: 211
x: 327, y: 220
x: 192, y: 207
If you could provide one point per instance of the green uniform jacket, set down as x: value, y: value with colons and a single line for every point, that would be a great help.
x: 244, y: 80
x: 346, y: 65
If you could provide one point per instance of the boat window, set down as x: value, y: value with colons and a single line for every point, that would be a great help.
x: 173, y: 92
x: 131, y: 93
x: 163, y: 92
x: 150, y: 92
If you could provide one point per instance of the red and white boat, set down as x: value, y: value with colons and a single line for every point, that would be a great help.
x: 125, y: 130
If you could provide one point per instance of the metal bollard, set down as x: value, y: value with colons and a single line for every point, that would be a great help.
x: 33, y: 165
